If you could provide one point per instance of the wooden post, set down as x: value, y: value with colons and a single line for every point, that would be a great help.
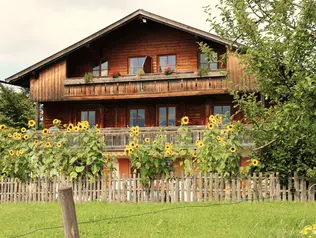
x: 37, y: 115
x: 68, y: 212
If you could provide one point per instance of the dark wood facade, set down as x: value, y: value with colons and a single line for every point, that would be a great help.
x: 61, y: 87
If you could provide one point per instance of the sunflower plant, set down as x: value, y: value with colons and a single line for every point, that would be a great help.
x: 151, y: 158
x: 69, y: 150
x: 219, y: 150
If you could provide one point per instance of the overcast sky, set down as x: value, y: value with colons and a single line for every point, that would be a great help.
x: 32, y: 30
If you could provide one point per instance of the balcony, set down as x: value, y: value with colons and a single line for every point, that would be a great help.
x: 117, y: 138
x: 147, y: 86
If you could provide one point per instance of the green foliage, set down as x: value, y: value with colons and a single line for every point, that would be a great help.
x: 151, y: 158
x: 15, y: 107
x: 202, y: 71
x: 88, y: 77
x: 75, y: 152
x: 280, y: 51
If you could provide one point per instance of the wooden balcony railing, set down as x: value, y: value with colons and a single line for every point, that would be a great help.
x: 118, y: 138
x: 148, y: 86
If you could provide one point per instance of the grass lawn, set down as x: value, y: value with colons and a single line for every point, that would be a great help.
x: 270, y: 219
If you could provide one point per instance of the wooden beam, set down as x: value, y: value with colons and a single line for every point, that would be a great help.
x: 37, y: 114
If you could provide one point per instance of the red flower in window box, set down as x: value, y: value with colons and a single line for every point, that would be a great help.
x: 115, y: 74
x: 168, y: 71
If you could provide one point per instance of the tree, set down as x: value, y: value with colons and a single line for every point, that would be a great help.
x: 15, y: 107
x: 278, y: 46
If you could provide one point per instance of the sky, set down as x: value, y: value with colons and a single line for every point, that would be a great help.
x: 32, y: 30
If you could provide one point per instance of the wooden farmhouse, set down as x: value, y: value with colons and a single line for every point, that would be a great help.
x: 139, y: 41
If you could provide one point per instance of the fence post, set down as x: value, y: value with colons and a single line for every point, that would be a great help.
x: 68, y: 212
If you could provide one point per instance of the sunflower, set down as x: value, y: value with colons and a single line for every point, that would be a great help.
x: 147, y: 140
x: 223, y: 143
x: 167, y: 153
x: 131, y: 150
x: 9, y: 135
x: 254, y: 162
x: 11, y: 152
x: 154, y: 142
x: 15, y: 134
x: 197, y: 142
x: 85, y: 123
x: 71, y: 126
x: 131, y: 134
x: 85, y: 127
x: 137, y: 128
x: 17, y: 153
x: 185, y: 120
x: 65, y: 125
x: 35, y: 142
x: 200, y: 145
x: 21, y: 152
x: 160, y: 137
x: 230, y: 127
x: 47, y: 144
x: 18, y: 136
x: 98, y: 131
x: 133, y: 129
x: 219, y: 138
x: 56, y: 122
x: 76, y: 129
x: 137, y: 133
x: 136, y: 146
x: 132, y: 144
x: 222, y: 132
x: 167, y: 146
x: 45, y: 131
x: 210, y: 126
x: 58, y: 144
x: 213, y: 120
x: 31, y: 123
x: 2, y: 127
x: 80, y: 126
x: 233, y: 149
x: 23, y: 129
x: 211, y: 117
x: 68, y: 129
x: 25, y: 137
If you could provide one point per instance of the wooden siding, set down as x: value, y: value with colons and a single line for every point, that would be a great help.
x: 50, y: 84
x: 111, y: 114
x: 236, y: 74
x: 138, y: 40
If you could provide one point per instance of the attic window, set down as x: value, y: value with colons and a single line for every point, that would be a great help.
x: 136, y: 64
x: 101, y: 69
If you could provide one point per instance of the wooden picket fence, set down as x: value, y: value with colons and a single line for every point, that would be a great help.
x: 202, y: 187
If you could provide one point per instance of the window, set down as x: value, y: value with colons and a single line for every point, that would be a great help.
x: 136, y: 64
x: 167, y: 61
x: 88, y: 116
x: 204, y: 63
x: 167, y: 116
x: 137, y: 117
x: 101, y: 69
x: 224, y: 110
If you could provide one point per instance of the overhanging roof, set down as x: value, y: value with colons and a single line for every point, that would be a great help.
x: 123, y: 21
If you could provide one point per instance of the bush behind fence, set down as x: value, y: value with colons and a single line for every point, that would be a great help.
x: 202, y: 187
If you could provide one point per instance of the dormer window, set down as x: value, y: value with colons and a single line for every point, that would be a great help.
x: 101, y: 69
x: 204, y: 63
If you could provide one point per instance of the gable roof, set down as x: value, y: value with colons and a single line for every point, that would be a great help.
x: 110, y: 28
